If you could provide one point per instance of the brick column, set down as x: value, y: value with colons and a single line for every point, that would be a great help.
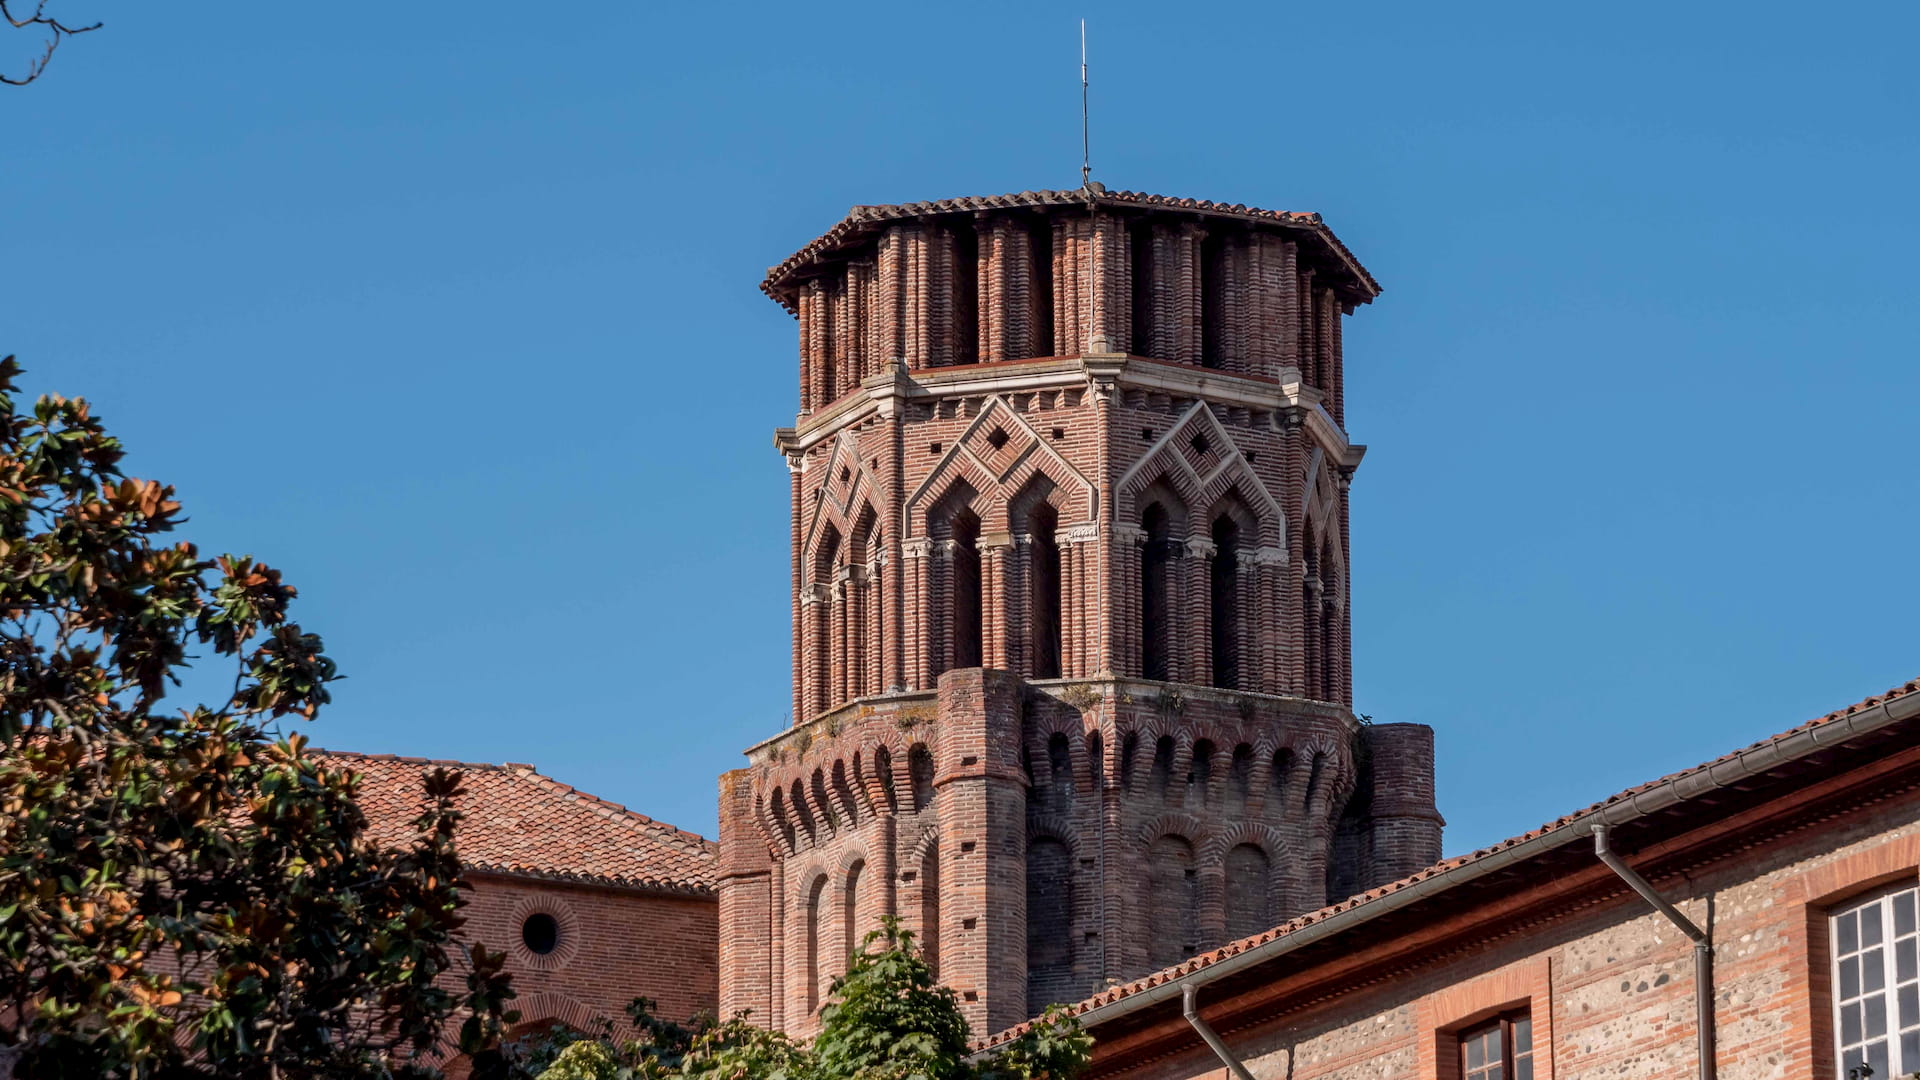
x: 876, y: 621
x: 1247, y: 582
x: 982, y: 797
x: 915, y: 649
x: 1005, y: 288
x: 996, y: 581
x: 1176, y: 293
x: 1307, y: 350
x: 1344, y: 650
x: 1272, y: 315
x: 1109, y: 286
x: 1225, y: 308
x: 1293, y: 617
x: 745, y: 901
x: 1123, y: 600
x: 1336, y: 373
x: 1199, y: 601
x: 840, y: 660
x: 1072, y: 242
x: 1270, y: 631
x: 795, y: 462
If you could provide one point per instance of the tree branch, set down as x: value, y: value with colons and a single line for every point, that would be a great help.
x: 39, y: 17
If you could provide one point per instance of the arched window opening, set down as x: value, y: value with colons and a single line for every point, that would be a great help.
x: 920, y: 772
x: 1163, y: 765
x: 883, y: 771
x: 1311, y: 625
x: 1241, y: 775
x: 1249, y: 905
x: 1049, y: 925
x: 1213, y: 300
x: 1140, y: 241
x: 1153, y: 593
x: 1201, y: 775
x: 781, y: 818
x: 1282, y: 773
x: 1226, y: 603
x: 1316, y: 775
x: 1173, y: 901
x: 1044, y: 573
x: 816, y: 915
x: 1129, y: 753
x: 1330, y: 689
x: 966, y: 590
x: 843, y: 794
x: 1059, y: 771
x: 826, y: 652
x: 1040, y: 290
x: 850, y: 919
x: 966, y: 295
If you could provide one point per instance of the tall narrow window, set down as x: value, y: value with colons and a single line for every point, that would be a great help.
x: 1876, y: 986
x: 816, y: 914
x: 1248, y: 907
x: 1045, y: 576
x: 966, y: 590
x: 1226, y: 603
x: 930, y: 907
x: 1140, y: 240
x: 966, y: 296
x: 1040, y: 244
x: 1500, y: 1049
x: 1213, y: 297
x: 851, y: 910
x: 1153, y: 594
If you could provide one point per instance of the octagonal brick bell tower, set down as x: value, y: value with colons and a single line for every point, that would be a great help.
x: 1071, y: 682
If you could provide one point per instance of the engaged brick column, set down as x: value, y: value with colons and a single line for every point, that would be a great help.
x: 1199, y: 601
x: 1273, y: 308
x: 1405, y: 820
x: 995, y: 576
x: 919, y: 588
x: 1006, y: 289
x: 746, y: 902
x: 981, y: 800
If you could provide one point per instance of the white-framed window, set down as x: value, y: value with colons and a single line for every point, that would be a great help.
x: 1876, y: 985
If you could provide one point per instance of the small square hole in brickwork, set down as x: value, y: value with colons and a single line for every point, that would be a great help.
x: 968, y: 924
x: 845, y: 473
x: 1191, y: 872
x: 966, y: 846
x: 970, y: 996
x: 1146, y: 433
x: 1199, y: 443
x: 997, y: 438
x: 933, y: 448
x: 1059, y: 433
x: 1252, y: 456
x: 969, y: 760
x: 907, y: 875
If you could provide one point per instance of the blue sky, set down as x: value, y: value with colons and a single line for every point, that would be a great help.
x: 451, y: 312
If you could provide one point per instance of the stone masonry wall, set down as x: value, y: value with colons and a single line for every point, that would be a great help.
x: 1610, y: 988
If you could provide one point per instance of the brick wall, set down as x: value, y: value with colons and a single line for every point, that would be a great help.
x: 1608, y: 983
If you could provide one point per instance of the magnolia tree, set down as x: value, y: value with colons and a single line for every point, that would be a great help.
x: 184, y: 890
x: 886, y: 1020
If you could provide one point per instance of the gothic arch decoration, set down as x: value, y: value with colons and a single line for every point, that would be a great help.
x: 1320, y: 510
x: 999, y: 467
x: 1198, y: 459
x: 849, y: 485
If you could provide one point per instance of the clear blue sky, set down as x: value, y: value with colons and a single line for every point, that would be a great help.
x: 451, y: 311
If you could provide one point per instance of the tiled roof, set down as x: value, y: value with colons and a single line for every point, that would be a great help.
x: 862, y: 220
x: 1566, y: 824
x: 520, y: 822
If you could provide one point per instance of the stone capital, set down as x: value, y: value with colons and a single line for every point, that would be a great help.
x: 1264, y: 556
x: 1130, y: 534
x: 1083, y: 533
x: 1202, y: 548
x: 918, y: 547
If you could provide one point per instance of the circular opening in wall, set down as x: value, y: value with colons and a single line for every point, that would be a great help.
x: 540, y: 933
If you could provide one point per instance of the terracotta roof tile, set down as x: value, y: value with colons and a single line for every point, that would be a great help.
x: 1204, y: 960
x: 520, y: 822
x: 862, y: 220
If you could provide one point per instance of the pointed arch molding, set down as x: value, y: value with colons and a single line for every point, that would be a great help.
x: 1320, y: 508
x: 842, y: 504
x: 999, y: 474
x: 1204, y: 486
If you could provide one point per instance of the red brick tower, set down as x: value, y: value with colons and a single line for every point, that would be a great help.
x: 1070, y: 668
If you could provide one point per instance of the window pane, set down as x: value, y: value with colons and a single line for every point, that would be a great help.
x: 1910, y: 1050
x: 1873, y: 972
x: 1849, y: 978
x: 1523, y: 1035
x: 1903, y: 913
x: 1847, y: 928
x: 1905, y: 970
x: 1852, y: 1058
x: 1850, y: 1024
x: 1523, y: 1069
x: 1876, y: 1016
x: 1877, y: 1057
x: 1476, y: 1051
x: 1870, y: 925
x: 1910, y: 1009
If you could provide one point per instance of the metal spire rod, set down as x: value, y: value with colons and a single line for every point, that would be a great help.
x: 1086, y: 158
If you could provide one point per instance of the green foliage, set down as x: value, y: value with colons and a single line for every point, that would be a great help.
x: 887, y: 1019
x: 189, y: 892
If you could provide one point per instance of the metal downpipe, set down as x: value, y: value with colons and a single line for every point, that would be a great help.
x: 1702, y: 947
x: 1190, y: 1009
